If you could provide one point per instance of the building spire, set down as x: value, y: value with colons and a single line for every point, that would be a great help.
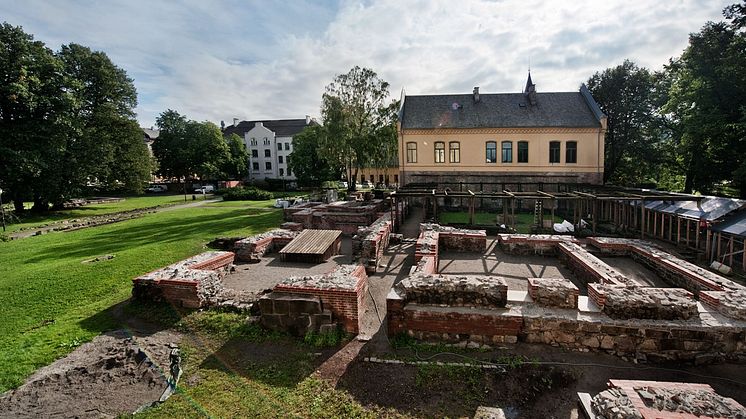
x: 530, y: 90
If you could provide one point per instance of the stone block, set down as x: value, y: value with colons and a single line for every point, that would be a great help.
x: 273, y: 321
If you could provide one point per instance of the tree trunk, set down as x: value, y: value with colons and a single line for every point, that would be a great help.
x: 689, y: 183
x: 40, y: 205
x: 18, y: 207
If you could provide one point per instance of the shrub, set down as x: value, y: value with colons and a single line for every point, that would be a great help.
x: 246, y: 194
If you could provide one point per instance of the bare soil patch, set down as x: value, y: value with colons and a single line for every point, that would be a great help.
x: 109, y: 376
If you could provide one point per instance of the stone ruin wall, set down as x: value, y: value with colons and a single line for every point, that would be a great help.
x: 342, y: 215
x: 633, y: 399
x: 341, y: 292
x: 192, y: 283
x: 369, y: 243
x: 651, y: 324
x: 252, y: 249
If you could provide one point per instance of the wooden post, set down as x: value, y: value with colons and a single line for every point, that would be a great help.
x: 642, y: 220
x: 595, y: 215
x: 696, y: 245
x: 505, y: 212
x: 743, y: 261
x: 687, y: 232
x: 554, y: 202
x: 663, y: 225
x: 707, y: 246
x: 719, y: 237
x: 678, y: 231
x: 730, y: 250
x: 655, y: 224
x: 512, y: 208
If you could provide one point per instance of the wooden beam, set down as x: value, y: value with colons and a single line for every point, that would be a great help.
x: 707, y: 246
x: 730, y: 250
x: 687, y: 232
x: 678, y: 231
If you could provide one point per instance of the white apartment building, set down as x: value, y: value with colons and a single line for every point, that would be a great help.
x: 269, y: 144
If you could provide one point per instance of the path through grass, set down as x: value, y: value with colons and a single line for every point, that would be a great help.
x: 50, y: 302
x: 129, y: 203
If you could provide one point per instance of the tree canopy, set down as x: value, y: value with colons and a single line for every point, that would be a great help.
x: 309, y: 168
x: 187, y: 148
x: 358, y: 119
x: 683, y: 128
x: 66, y: 122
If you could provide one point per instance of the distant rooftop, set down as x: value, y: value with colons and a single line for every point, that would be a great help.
x: 281, y: 127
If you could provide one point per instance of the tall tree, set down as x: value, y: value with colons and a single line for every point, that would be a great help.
x: 31, y: 102
x: 625, y: 95
x: 305, y: 160
x: 354, y: 109
x: 187, y: 148
x: 66, y: 120
x: 705, y: 107
x: 236, y: 165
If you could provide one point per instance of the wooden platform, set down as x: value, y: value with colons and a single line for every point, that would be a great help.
x: 313, y: 246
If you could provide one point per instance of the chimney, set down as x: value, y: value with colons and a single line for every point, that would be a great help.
x: 476, y: 94
x: 308, y: 119
x: 235, y: 122
x: 222, y: 124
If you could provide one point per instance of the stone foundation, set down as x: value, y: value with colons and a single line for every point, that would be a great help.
x: 619, y: 316
x: 346, y: 216
x: 341, y: 292
x: 192, y: 283
x: 454, y: 290
x: 297, y: 314
x: 370, y: 242
x: 663, y: 400
x: 253, y: 248
x: 531, y: 244
x: 553, y: 292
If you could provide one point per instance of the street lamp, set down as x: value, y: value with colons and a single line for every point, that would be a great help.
x: 2, y: 209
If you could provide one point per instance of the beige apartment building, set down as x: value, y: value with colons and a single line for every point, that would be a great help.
x: 505, y: 138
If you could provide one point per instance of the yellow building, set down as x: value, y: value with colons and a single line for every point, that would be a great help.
x: 501, y: 139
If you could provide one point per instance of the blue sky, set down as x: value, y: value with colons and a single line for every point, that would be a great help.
x: 216, y: 60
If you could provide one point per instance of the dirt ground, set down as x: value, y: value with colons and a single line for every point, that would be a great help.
x: 113, y: 374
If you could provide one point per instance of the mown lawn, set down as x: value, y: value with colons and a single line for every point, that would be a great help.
x: 129, y: 203
x: 50, y: 302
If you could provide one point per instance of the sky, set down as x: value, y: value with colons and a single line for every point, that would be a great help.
x: 218, y: 60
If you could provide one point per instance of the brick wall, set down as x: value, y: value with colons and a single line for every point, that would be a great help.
x: 344, y: 303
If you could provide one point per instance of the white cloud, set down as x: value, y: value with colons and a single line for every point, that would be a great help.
x: 217, y: 61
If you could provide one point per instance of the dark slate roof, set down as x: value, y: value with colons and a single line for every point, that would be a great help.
x: 281, y: 127
x: 501, y: 110
x: 734, y: 224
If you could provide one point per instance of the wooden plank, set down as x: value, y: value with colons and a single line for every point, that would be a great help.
x: 311, y: 242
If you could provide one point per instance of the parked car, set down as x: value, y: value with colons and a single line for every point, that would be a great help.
x: 205, y: 189
x: 342, y: 184
x: 156, y: 188
x: 366, y: 184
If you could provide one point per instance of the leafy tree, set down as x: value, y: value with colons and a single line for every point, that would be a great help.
x: 625, y: 95
x: 305, y: 160
x: 705, y: 108
x: 236, y: 166
x: 187, y: 148
x: 356, y: 120
x: 66, y: 120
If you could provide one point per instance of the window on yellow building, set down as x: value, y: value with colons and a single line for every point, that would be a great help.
x: 571, y: 152
x: 440, y: 152
x: 507, y: 152
x: 522, y: 151
x: 491, y: 152
x: 411, y: 153
x: 554, y: 152
x: 454, y: 147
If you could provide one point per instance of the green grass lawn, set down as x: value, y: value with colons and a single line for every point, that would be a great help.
x: 50, y: 302
x: 129, y: 203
